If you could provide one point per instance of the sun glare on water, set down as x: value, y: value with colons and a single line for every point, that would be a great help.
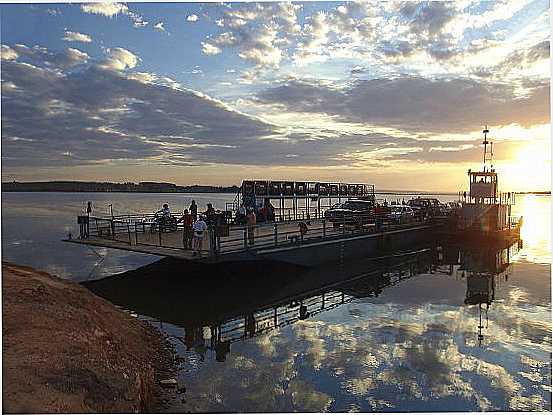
x: 536, y: 227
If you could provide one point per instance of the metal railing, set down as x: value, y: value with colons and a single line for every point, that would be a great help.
x: 503, y: 198
x: 137, y: 229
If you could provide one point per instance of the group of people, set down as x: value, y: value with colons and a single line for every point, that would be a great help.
x: 265, y: 213
x: 194, y: 225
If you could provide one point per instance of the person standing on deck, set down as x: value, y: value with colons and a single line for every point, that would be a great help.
x: 194, y: 210
x: 187, y: 232
x: 270, y: 211
x: 251, y: 220
x: 199, y: 230
x: 210, y: 214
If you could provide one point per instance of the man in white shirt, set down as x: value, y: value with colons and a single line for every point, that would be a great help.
x: 199, y: 230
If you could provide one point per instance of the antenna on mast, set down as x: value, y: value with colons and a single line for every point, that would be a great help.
x: 488, y: 155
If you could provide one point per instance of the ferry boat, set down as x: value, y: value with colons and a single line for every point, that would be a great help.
x: 485, y: 212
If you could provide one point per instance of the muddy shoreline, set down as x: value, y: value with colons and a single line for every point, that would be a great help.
x: 68, y: 350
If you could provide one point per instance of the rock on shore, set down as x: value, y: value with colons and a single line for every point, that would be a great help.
x: 67, y: 350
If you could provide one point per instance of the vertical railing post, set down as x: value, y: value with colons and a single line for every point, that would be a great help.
x: 183, y: 237
x: 159, y: 232
x: 276, y: 234
x: 245, y: 238
x: 135, y: 234
x: 112, y: 225
x: 324, y: 228
x: 212, y: 241
x: 129, y: 230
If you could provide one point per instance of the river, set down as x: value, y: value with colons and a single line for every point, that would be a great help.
x: 442, y: 328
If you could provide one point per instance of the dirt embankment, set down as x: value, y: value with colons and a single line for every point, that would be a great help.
x: 67, y: 350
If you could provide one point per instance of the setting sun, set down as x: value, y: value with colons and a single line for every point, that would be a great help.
x: 530, y: 170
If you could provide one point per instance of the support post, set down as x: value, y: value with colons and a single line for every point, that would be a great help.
x: 324, y: 228
x: 183, y: 237
x: 318, y: 206
x: 276, y: 234
x: 212, y: 241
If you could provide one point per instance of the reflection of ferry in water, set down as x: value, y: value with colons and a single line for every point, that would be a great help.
x: 215, y: 315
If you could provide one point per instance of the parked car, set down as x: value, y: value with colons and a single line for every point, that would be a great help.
x: 353, y: 211
x: 425, y: 207
x: 401, y: 213
x: 452, y: 207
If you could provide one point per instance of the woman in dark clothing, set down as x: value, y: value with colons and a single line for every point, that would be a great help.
x: 194, y: 211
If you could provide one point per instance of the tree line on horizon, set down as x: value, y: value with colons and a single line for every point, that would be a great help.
x: 78, y: 186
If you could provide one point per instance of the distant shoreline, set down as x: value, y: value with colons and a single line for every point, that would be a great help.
x: 108, y: 187
x: 155, y: 187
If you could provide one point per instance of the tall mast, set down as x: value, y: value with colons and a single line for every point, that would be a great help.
x: 488, y: 155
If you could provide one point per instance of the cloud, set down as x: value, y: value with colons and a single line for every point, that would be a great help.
x: 523, y: 58
x: 107, y: 9
x: 76, y: 37
x: 259, y: 32
x: 68, y: 58
x: 159, y: 26
x: 192, y: 18
x: 348, y: 27
x: 99, y: 113
x: 209, y: 49
x: 76, y: 56
x: 111, y: 9
x: 8, y: 53
x: 517, y: 60
x: 119, y: 59
x: 416, y: 103
x: 429, y: 18
x: 256, y: 46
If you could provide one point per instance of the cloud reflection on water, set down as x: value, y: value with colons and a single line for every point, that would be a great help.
x: 393, y: 356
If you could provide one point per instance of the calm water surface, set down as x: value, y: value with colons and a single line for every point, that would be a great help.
x: 441, y: 328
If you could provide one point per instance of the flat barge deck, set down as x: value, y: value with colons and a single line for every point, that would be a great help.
x: 283, y: 241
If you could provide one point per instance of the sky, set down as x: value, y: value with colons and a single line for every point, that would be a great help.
x: 390, y: 93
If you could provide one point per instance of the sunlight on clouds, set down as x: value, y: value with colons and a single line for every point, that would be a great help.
x: 8, y: 53
x: 76, y: 37
x: 108, y: 9
x: 119, y: 59
x: 209, y: 49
